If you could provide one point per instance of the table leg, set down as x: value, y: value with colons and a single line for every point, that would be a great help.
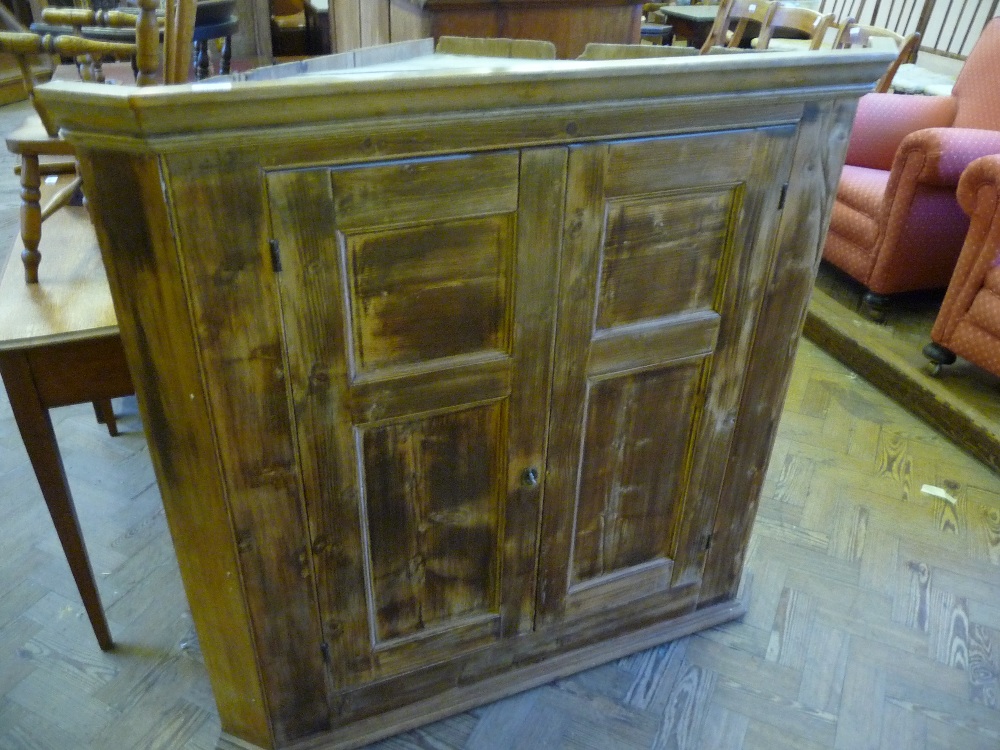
x: 35, y: 426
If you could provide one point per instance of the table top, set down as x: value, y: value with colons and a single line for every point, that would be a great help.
x: 71, y: 301
x: 691, y: 12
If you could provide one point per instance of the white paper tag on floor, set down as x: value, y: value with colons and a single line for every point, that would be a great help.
x: 930, y: 489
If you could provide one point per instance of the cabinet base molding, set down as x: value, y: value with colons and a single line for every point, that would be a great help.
x: 467, y: 697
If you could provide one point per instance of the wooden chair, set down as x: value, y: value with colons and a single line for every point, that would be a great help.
x: 857, y: 35
x: 37, y: 138
x: 809, y: 24
x: 734, y: 19
x: 605, y: 51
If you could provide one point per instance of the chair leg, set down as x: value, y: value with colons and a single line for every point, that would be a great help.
x: 31, y: 216
x: 201, y: 71
x: 227, y: 56
x: 106, y: 416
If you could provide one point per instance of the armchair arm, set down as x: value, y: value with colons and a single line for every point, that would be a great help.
x: 884, y: 120
x: 981, y: 175
x: 979, y: 195
x: 941, y: 155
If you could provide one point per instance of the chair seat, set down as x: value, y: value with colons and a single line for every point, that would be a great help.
x: 219, y: 30
x: 294, y: 21
x: 913, y: 79
x: 30, y: 138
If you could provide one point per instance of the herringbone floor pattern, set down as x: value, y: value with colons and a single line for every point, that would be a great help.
x: 873, y: 622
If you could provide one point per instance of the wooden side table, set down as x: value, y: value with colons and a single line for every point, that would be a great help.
x: 59, y: 345
x: 691, y: 22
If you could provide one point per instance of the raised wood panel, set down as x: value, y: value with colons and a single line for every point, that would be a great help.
x: 662, y: 255
x: 628, y: 486
x: 435, y: 290
x: 432, y: 498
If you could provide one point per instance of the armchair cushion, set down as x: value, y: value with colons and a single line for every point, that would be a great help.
x: 884, y: 120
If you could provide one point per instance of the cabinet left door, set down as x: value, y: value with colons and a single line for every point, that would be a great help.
x: 417, y: 301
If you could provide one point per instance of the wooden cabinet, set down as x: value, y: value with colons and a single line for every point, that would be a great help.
x: 458, y: 382
x: 568, y: 24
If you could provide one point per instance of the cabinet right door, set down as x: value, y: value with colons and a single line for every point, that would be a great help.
x: 668, y: 244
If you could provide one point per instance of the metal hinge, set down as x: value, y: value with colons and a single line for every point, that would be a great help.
x: 781, y: 200
x: 275, y: 256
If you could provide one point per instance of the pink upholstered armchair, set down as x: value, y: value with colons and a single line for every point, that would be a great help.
x: 969, y: 321
x: 896, y: 225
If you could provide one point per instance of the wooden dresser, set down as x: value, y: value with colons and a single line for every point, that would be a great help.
x: 459, y: 374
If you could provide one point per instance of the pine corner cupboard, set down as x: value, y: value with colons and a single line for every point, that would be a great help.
x: 458, y: 375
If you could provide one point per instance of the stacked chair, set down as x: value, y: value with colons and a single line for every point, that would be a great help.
x: 808, y: 24
x: 854, y: 35
x: 733, y: 22
x: 38, y: 144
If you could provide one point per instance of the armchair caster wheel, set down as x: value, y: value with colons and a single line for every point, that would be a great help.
x: 938, y: 356
x: 875, y: 307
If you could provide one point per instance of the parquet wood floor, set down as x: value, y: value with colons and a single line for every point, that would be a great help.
x: 873, y: 607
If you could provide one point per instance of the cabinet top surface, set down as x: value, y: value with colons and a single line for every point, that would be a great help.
x: 426, y: 84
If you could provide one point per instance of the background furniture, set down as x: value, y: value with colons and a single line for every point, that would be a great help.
x: 569, y: 24
x: 386, y: 351
x: 59, y: 342
x: 969, y: 321
x: 59, y: 345
x: 854, y: 35
x: 896, y: 225
x: 809, y: 24
x: 38, y: 138
x: 691, y: 22
x: 289, y: 28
